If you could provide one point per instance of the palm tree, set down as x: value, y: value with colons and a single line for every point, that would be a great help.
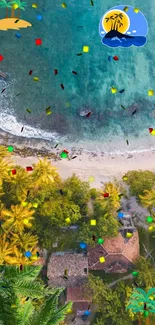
x: 4, y: 153
x: 18, y: 257
x: 146, y: 276
x: 21, y: 6
x: 148, y: 199
x: 5, y: 249
x: 5, y: 4
x: 44, y: 173
x: 142, y: 302
x: 18, y: 184
x: 17, y: 218
x: 4, y: 169
x: 26, y: 241
x: 16, y: 286
x: 113, y: 201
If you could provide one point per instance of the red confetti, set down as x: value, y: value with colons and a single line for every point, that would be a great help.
x: 38, y: 41
x: 150, y: 130
x: 115, y: 58
x: 13, y: 171
x: 29, y: 169
x: 21, y: 267
x: 66, y: 151
x: 88, y: 115
x: 55, y: 72
x: 106, y: 194
x: 30, y: 72
x: 62, y: 86
x: 1, y: 57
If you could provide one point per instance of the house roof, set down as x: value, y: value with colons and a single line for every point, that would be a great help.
x: 114, y: 250
x: 73, y: 263
x: 80, y: 306
x: 77, y: 294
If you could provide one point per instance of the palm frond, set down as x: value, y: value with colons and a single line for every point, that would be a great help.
x: 29, y: 289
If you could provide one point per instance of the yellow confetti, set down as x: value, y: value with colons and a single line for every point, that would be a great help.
x: 91, y: 179
x: 153, y: 132
x: 67, y: 104
x: 151, y: 228
x: 68, y: 220
x: 24, y: 204
x: 35, y: 78
x: 113, y: 90
x: 150, y: 92
x: 128, y: 234
x: 15, y: 6
x: 63, y: 5
x: 102, y: 259
x: 34, y: 5
x: 34, y: 258
x: 25, y: 221
x: 86, y: 49
x: 93, y: 222
x: 136, y: 10
x: 35, y: 205
x: 125, y: 178
x: 125, y: 9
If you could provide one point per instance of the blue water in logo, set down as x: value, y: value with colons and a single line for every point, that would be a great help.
x: 124, y: 42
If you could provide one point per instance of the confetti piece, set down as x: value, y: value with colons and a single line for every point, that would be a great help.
x: 56, y: 145
x: 3, y: 90
x: 25, y: 221
x: 93, y: 238
x: 16, y: 21
x: 93, y: 222
x: 1, y: 57
x: 38, y: 41
x: 62, y: 86
x: 135, y: 273
x: 67, y: 104
x: 113, y: 90
x: 48, y: 110
x: 28, y: 110
x: 121, y: 91
x: 13, y: 306
x: 151, y: 228
x: 68, y: 220
x: 85, y: 49
x: 150, y: 130
x: 83, y: 245
x: 74, y: 72
x: 91, y: 179
x: 36, y: 79
x: 29, y: 169
x: 24, y: 204
x: 13, y: 171
x: 38, y: 254
x: 106, y: 194
x: 128, y: 234
x: 125, y: 9
x: 127, y: 142
x: 92, y: 3
x: 22, y: 129
x: 149, y: 219
x: 100, y: 241
x: 63, y: 155
x: 79, y: 54
x: 34, y: 5
x: 10, y: 148
x: 115, y: 58
x: 125, y: 178
x: 55, y: 72
x: 136, y: 10
x: 109, y: 58
x: 153, y: 132
x: 21, y: 267
x: 18, y: 35
x: 28, y: 254
x: 63, y: 5
x: 102, y: 259
x: 61, y: 192
x: 30, y: 72
x: 39, y: 17
x: 15, y: 6
x: 74, y: 157
x: 87, y: 312
x: 150, y: 92
x: 134, y: 112
x: 35, y: 205
x: 18, y: 94
x: 88, y: 115
x: 65, y: 151
x: 120, y: 215
x: 123, y: 107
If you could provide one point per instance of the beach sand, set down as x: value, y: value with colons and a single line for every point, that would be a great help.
x: 102, y: 167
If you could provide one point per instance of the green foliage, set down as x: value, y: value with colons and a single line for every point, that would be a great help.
x: 146, y: 277
x: 140, y: 181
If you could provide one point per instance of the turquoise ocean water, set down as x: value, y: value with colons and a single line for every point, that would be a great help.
x: 62, y: 39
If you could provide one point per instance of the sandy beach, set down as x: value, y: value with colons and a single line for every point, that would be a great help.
x: 102, y: 167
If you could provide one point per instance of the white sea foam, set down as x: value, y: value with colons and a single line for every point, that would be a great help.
x: 9, y: 123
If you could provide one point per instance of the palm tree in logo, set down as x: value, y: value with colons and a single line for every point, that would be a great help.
x: 115, y: 21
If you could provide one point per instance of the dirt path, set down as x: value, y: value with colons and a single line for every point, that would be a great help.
x: 129, y: 276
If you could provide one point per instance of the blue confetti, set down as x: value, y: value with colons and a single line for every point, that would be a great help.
x: 28, y: 254
x: 120, y: 215
x: 83, y: 245
x: 18, y: 35
x: 39, y: 17
x: 110, y: 58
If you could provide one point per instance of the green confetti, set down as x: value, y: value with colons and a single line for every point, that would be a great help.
x: 10, y: 148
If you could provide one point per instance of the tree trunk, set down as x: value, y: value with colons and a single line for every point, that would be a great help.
x: 139, y: 319
x: 12, y: 13
x: 7, y: 13
x: 147, y: 321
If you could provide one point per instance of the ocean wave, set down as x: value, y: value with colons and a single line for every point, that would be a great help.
x: 9, y: 123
